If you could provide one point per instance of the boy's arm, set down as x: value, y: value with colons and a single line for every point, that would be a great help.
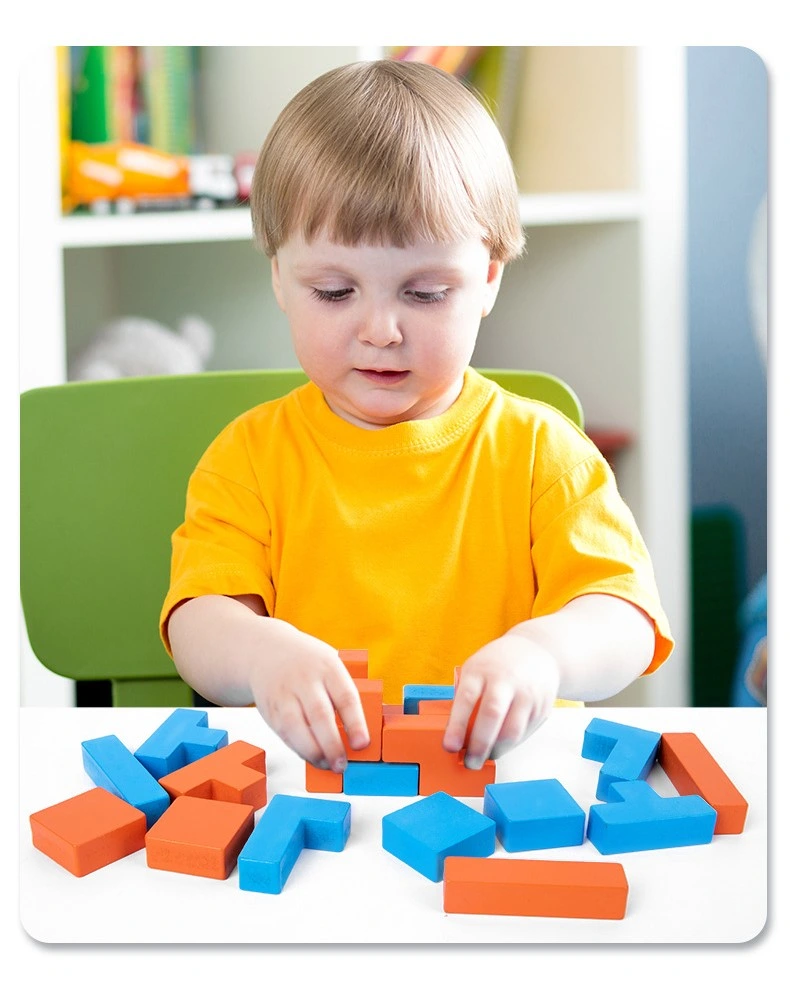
x: 590, y: 649
x: 227, y: 649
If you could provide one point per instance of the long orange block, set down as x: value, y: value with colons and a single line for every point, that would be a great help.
x: 321, y: 779
x: 235, y: 773
x: 199, y: 836
x: 543, y: 888
x: 356, y: 661
x: 88, y: 831
x: 693, y: 770
x: 371, y: 693
x: 417, y: 738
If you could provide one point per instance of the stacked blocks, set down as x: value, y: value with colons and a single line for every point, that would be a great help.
x: 408, y: 734
x: 184, y: 737
x: 424, y: 833
x: 199, y: 836
x: 111, y: 765
x: 627, y: 753
x: 234, y: 773
x: 534, y: 815
x: 288, y: 825
x: 88, y: 831
x: 692, y: 769
x: 543, y: 888
x: 638, y: 818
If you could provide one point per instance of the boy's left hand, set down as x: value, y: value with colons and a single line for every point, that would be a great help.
x: 515, y: 681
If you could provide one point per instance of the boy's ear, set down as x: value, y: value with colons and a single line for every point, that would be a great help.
x: 493, y: 280
x: 278, y: 293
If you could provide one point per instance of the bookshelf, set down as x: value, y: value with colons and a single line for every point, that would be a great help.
x: 599, y: 298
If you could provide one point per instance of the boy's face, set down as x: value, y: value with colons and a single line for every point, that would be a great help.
x: 386, y: 333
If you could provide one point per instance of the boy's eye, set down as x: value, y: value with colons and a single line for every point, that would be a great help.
x: 428, y: 296
x: 332, y: 296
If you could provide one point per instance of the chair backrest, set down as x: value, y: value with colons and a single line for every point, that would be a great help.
x: 103, y: 474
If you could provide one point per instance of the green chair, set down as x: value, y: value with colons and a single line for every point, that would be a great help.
x: 103, y: 474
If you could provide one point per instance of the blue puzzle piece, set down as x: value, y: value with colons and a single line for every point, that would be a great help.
x: 413, y: 693
x: 534, y: 815
x: 627, y: 753
x: 381, y: 778
x: 111, y: 765
x: 183, y: 738
x: 423, y: 833
x: 288, y: 825
x: 638, y: 818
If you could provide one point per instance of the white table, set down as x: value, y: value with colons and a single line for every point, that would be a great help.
x: 716, y: 892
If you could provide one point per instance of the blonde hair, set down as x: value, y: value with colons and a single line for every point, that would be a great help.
x: 386, y: 152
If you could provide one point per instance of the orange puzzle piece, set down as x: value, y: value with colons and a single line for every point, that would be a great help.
x: 417, y: 738
x: 356, y: 661
x: 693, y: 770
x: 545, y: 888
x: 88, y: 831
x: 321, y: 779
x: 199, y: 836
x: 371, y: 692
x: 235, y: 773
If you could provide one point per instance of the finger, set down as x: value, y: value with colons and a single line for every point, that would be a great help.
x: 294, y: 730
x: 467, y: 693
x: 494, y: 707
x: 348, y: 706
x: 515, y: 727
x: 320, y: 715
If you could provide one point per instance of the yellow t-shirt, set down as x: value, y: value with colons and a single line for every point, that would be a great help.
x: 419, y: 542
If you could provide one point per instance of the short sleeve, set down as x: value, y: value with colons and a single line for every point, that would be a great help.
x: 585, y: 541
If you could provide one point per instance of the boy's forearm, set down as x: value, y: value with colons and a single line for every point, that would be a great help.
x: 601, y: 644
x: 216, y: 640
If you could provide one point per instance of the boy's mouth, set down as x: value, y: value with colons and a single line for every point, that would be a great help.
x: 387, y: 377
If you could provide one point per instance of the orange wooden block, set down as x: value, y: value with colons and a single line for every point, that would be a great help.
x: 417, y: 738
x: 199, y: 836
x: 356, y: 661
x: 235, y: 773
x: 321, y: 779
x: 693, y: 770
x: 392, y: 709
x: 435, y: 706
x: 545, y: 888
x: 371, y: 692
x: 88, y: 831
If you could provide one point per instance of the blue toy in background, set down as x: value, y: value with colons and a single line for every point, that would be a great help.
x: 750, y: 678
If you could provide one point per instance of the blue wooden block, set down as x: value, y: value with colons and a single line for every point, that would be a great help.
x: 183, y: 738
x: 381, y: 778
x: 534, y: 815
x: 627, y: 753
x: 638, y: 818
x: 423, y: 833
x: 414, y: 692
x: 288, y: 825
x: 111, y: 765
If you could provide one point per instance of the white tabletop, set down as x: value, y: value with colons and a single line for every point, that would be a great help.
x: 716, y: 892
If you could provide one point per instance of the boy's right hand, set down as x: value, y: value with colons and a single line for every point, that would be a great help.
x: 298, y: 687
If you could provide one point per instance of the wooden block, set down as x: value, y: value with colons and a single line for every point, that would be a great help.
x: 88, y: 831
x: 381, y: 778
x: 111, y: 765
x: 289, y: 824
x: 413, y: 693
x: 638, y: 818
x: 542, y: 888
x: 199, y: 836
x: 692, y: 769
x: 627, y: 753
x: 321, y: 779
x: 392, y: 709
x: 356, y: 661
x: 417, y: 738
x: 534, y: 815
x: 442, y: 707
x: 183, y: 737
x: 371, y: 693
x: 236, y: 773
x: 424, y: 833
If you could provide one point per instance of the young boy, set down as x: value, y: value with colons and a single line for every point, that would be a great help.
x: 399, y: 502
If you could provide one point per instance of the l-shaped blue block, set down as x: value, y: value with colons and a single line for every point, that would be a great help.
x: 414, y: 692
x: 423, y: 833
x: 534, y: 815
x: 183, y: 738
x: 628, y: 753
x: 111, y: 765
x: 288, y: 825
x: 638, y: 818
x: 381, y: 778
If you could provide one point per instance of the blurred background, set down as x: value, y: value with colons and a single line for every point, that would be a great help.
x: 644, y: 181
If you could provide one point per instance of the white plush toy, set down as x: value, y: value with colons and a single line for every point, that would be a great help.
x: 136, y: 346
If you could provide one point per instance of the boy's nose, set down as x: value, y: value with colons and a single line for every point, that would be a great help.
x: 379, y: 327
